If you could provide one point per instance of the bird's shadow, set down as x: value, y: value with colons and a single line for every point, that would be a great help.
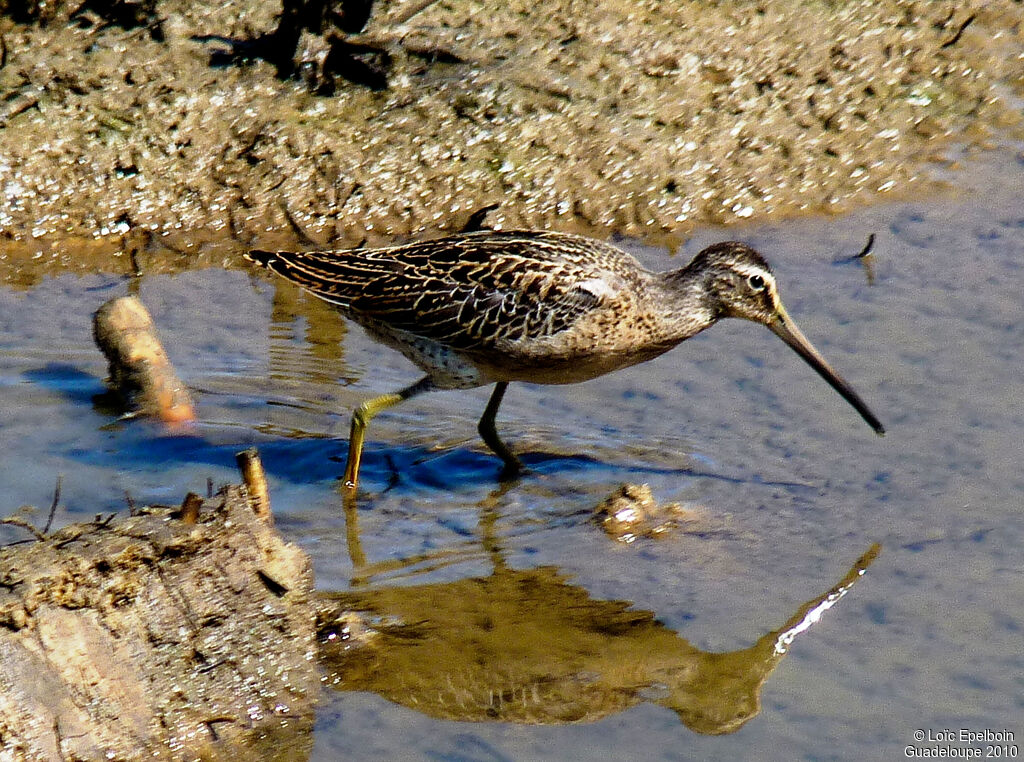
x: 389, y: 468
x: 144, y: 444
x: 141, y: 443
x: 462, y: 465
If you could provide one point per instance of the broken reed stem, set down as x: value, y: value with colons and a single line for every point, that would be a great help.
x: 256, y: 483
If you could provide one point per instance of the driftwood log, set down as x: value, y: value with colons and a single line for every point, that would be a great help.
x: 158, y: 636
x: 140, y: 371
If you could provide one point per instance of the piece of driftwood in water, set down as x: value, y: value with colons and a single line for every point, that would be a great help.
x: 140, y: 371
x: 150, y: 637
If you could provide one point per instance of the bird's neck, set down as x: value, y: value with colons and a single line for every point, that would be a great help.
x: 691, y: 308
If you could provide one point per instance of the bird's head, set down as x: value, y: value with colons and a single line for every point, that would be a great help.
x: 738, y: 282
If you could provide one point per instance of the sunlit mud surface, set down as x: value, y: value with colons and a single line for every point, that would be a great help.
x: 790, y: 486
x: 639, y: 117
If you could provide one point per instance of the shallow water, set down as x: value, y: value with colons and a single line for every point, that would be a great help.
x: 791, y: 486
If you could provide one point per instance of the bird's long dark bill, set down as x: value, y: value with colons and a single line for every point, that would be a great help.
x: 786, y: 329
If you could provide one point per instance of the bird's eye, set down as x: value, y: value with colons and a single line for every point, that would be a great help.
x: 756, y: 283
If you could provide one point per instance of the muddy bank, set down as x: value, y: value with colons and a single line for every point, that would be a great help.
x: 614, y: 116
x: 165, y: 634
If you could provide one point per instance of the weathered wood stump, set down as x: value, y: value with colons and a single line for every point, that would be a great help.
x: 152, y: 637
x: 140, y: 371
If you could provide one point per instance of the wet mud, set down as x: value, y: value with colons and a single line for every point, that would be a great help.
x: 150, y: 121
x: 170, y: 633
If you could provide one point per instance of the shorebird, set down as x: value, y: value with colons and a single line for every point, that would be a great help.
x: 492, y: 307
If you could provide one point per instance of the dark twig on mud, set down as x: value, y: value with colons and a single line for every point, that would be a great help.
x: 295, y: 226
x: 412, y: 10
x: 210, y: 723
x: 959, y: 32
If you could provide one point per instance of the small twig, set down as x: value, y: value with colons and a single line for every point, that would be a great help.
x: 20, y: 522
x: 867, y: 247
x: 209, y: 724
x: 209, y: 667
x: 140, y: 370
x: 133, y: 260
x: 73, y: 536
x: 864, y: 254
x: 864, y: 258
x: 412, y: 10
x: 59, y: 738
x: 959, y: 32
x: 301, y: 234
x: 53, y: 505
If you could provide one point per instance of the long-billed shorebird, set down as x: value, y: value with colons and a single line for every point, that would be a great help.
x: 492, y: 307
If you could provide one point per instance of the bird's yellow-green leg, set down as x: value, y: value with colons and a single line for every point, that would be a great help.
x: 490, y: 434
x: 362, y: 416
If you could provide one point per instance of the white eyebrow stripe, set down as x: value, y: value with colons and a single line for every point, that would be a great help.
x: 749, y: 270
x: 769, y: 279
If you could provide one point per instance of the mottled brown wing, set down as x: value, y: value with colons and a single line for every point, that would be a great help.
x: 468, y: 292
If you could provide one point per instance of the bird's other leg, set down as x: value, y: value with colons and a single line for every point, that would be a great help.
x: 361, y: 417
x: 490, y: 435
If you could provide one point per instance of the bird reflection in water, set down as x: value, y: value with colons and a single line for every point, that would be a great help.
x: 527, y: 646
